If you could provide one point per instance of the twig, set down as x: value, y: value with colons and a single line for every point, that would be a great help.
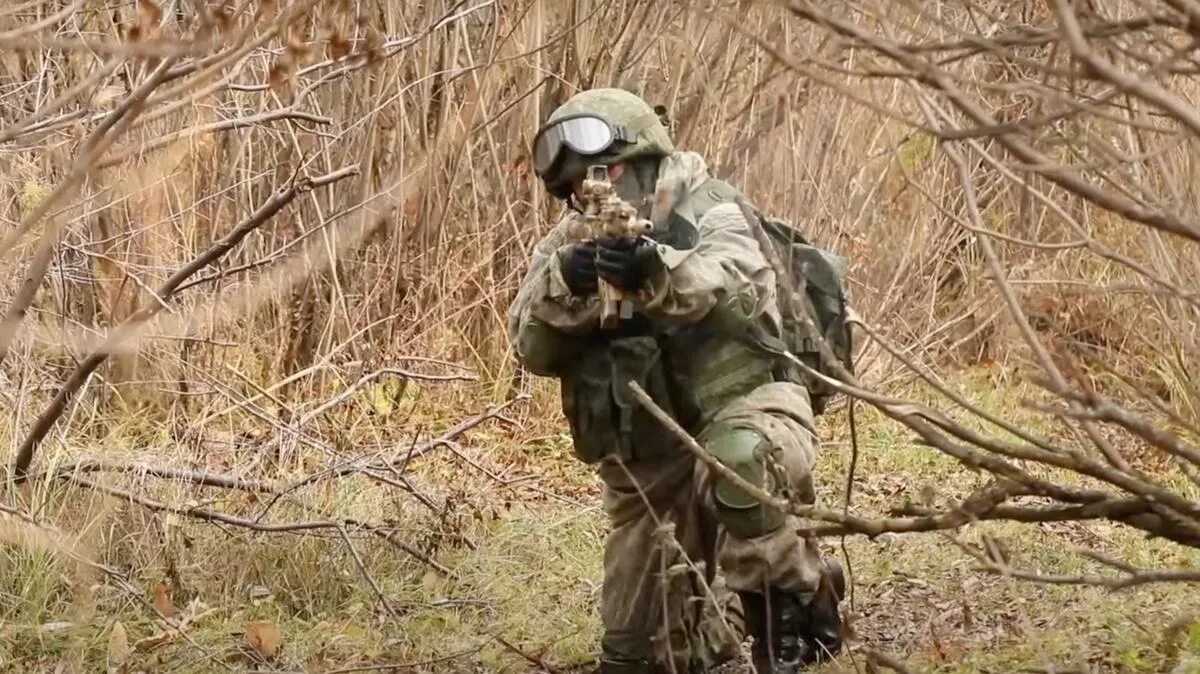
x: 533, y: 659
x: 104, y: 135
x: 999, y: 277
x: 936, y: 77
x: 360, y: 59
x: 1134, y: 577
x: 155, y: 640
x: 224, y: 125
x: 30, y: 124
x: 405, y: 665
x: 362, y: 568
x: 56, y: 539
x: 372, y: 376
x: 1179, y: 110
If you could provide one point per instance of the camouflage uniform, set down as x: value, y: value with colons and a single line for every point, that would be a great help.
x: 685, y: 347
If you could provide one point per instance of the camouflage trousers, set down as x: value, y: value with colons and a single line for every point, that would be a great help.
x: 672, y: 567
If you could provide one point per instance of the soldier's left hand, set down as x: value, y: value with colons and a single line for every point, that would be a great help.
x: 625, y: 262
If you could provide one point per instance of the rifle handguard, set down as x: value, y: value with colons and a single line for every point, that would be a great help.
x: 606, y: 214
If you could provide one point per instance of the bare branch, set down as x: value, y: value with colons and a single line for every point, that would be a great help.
x: 136, y: 322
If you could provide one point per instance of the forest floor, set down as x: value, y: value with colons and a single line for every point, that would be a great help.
x: 515, y: 519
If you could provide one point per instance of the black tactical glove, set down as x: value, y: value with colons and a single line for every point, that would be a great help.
x: 579, y: 268
x: 625, y: 262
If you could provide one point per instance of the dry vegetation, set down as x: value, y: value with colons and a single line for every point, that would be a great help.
x: 256, y: 256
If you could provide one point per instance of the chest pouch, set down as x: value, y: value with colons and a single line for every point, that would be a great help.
x: 605, y: 419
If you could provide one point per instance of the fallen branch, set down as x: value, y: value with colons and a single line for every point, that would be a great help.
x: 984, y: 500
x: 395, y: 467
x: 366, y: 573
x: 203, y: 478
x: 406, y: 665
x: 206, y: 515
x: 987, y: 503
x: 493, y: 412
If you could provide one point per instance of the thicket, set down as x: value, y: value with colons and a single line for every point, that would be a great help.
x: 237, y: 236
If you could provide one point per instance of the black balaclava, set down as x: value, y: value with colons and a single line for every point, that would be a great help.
x: 636, y: 184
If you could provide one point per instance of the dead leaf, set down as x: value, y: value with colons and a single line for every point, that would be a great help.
x: 162, y: 601
x: 118, y: 645
x: 928, y: 495
x: 339, y: 47
x: 149, y: 15
x: 264, y: 637
x: 431, y: 581
x: 198, y: 613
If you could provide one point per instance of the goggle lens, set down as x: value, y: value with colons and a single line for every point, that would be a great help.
x: 585, y: 135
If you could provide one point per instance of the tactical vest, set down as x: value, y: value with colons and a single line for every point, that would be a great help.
x: 815, y: 280
x: 692, y: 371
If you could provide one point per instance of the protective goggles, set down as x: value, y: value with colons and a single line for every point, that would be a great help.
x: 585, y: 134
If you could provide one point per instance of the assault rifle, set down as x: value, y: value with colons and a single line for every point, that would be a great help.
x: 606, y: 214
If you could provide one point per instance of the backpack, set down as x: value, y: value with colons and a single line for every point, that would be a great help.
x: 817, y: 278
x: 821, y: 275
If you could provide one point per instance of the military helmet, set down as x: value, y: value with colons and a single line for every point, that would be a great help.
x: 603, y: 126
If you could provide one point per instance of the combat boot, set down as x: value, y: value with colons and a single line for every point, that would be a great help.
x: 774, y: 619
x: 642, y: 666
x: 822, y: 627
x: 789, y: 634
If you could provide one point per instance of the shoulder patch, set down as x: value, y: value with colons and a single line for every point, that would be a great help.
x: 710, y: 194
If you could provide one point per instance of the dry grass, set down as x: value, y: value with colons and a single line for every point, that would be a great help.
x: 527, y: 566
x: 412, y: 263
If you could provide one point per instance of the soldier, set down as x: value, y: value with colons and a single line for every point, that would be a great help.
x: 701, y: 286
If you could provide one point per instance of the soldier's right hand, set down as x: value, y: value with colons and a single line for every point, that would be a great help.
x: 579, y: 268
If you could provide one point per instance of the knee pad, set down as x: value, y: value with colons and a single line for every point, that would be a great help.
x: 745, y: 451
